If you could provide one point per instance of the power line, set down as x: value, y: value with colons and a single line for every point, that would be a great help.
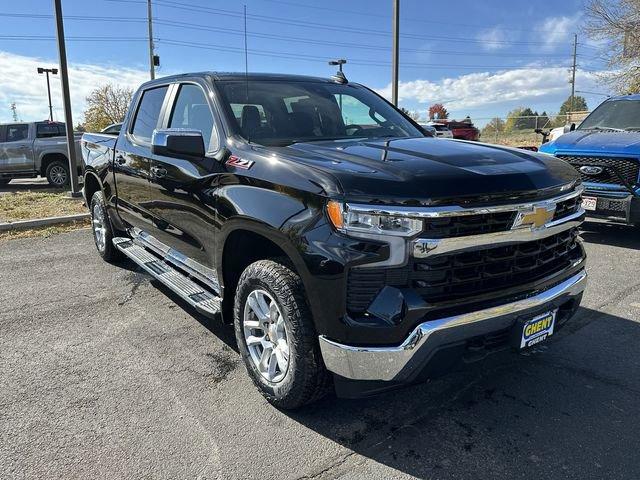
x: 324, y: 26
x: 364, y: 62
x: 72, y: 38
x: 191, y: 26
x: 268, y: 53
x: 413, y: 20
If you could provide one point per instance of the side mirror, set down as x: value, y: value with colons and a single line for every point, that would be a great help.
x: 569, y: 128
x: 428, y: 131
x: 178, y: 143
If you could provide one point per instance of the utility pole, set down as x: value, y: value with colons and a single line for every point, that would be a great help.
x: 395, y: 52
x: 14, y: 110
x: 66, y: 99
x: 152, y: 69
x: 573, y: 70
x: 52, y: 71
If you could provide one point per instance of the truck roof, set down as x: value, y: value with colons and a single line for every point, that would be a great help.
x: 634, y: 96
x: 239, y: 76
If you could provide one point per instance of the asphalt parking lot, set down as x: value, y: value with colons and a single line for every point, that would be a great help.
x: 104, y: 375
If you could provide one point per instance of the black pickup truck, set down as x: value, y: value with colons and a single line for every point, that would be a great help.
x: 348, y: 249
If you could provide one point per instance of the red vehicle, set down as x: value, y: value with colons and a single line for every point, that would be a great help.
x: 464, y: 130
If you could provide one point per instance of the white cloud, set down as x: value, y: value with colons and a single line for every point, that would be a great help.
x: 20, y: 83
x: 493, y: 39
x: 554, y: 31
x: 485, y: 89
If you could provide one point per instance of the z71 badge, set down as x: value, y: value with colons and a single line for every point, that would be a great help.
x: 238, y: 162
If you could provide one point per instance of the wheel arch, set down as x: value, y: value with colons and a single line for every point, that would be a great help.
x: 256, y: 242
x: 92, y: 184
x: 48, y: 158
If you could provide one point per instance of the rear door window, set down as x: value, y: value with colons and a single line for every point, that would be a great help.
x: 18, y: 132
x: 148, y: 113
x: 47, y: 130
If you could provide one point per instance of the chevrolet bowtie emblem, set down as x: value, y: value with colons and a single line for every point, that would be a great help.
x: 536, y: 217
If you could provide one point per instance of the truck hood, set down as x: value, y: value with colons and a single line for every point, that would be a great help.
x: 423, y: 170
x: 595, y: 142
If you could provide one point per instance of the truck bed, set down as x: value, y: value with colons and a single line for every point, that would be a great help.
x: 97, y: 148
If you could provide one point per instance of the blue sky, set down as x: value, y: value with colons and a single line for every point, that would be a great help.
x: 478, y: 58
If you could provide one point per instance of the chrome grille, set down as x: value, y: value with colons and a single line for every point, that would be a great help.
x: 614, y: 169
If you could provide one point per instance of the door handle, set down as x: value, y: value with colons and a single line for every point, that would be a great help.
x: 159, y: 172
x: 120, y: 160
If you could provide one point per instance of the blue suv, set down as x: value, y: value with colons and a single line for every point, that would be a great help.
x: 605, y: 149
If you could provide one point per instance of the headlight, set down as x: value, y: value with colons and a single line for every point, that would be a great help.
x: 371, y: 220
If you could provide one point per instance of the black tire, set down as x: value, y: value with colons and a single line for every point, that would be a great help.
x: 98, y: 211
x: 306, y: 379
x: 58, y: 173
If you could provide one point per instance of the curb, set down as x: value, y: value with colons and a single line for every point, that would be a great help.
x: 42, y: 222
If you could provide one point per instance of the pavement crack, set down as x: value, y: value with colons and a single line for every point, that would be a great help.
x: 329, y: 468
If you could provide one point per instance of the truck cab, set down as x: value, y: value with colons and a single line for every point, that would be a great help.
x: 605, y: 150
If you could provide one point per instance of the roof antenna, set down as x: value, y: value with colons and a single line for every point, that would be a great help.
x: 246, y: 64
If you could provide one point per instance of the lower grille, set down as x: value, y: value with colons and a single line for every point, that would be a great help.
x: 452, y: 277
x: 615, y: 171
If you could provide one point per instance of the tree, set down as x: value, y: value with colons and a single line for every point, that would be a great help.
x: 615, y: 25
x: 579, y: 105
x: 414, y: 115
x: 438, y: 108
x: 106, y: 105
x: 494, y: 127
x: 514, y: 120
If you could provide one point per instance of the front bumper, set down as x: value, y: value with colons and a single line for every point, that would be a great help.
x: 619, y: 205
x: 402, y: 363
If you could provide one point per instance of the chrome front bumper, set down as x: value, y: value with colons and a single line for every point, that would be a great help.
x: 399, y: 363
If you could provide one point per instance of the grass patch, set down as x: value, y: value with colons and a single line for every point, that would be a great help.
x: 44, y: 232
x: 514, y: 139
x: 28, y: 205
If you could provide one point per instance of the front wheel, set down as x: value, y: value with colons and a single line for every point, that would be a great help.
x: 276, y: 336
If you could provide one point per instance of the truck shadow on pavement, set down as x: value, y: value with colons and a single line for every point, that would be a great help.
x: 609, y: 233
x: 563, y: 410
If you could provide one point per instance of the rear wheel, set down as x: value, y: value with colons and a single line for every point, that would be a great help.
x: 58, y: 173
x: 102, y: 230
x: 276, y: 336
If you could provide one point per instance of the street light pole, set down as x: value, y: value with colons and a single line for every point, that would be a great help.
x: 66, y: 99
x: 395, y: 52
x: 47, y: 71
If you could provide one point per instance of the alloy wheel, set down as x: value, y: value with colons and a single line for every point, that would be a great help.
x: 265, y: 334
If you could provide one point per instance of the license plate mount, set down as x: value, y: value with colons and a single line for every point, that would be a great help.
x: 590, y: 203
x: 538, y: 329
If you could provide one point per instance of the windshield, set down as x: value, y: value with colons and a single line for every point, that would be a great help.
x: 282, y: 113
x: 614, y: 115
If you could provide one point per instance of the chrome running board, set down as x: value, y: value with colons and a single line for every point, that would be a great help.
x: 204, y: 301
